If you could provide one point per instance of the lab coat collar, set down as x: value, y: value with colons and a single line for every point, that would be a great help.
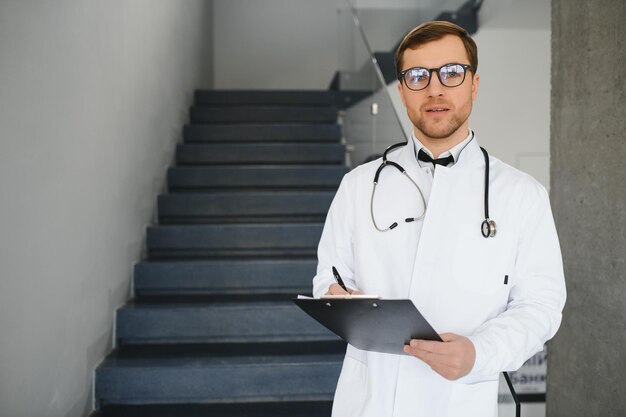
x: 455, y: 151
x: 469, y: 157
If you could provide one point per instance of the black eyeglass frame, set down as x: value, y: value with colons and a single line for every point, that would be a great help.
x: 402, y: 74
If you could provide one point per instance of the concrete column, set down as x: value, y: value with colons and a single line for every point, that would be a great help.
x: 587, y: 358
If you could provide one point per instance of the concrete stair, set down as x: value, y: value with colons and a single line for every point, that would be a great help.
x: 211, y: 329
x: 266, y: 177
x: 244, y: 206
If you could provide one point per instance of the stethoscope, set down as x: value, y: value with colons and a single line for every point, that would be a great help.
x: 488, y: 226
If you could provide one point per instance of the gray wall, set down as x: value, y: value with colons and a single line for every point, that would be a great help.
x: 299, y: 44
x: 93, y: 96
x: 282, y: 44
x: 587, y: 359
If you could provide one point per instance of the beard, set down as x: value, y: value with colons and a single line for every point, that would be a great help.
x: 443, y: 127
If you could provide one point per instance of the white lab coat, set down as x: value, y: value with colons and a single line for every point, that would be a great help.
x: 451, y: 273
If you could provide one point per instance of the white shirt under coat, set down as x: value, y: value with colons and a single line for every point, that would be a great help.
x: 452, y: 273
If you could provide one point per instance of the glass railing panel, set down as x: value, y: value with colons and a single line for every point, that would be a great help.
x: 372, y: 124
x: 385, y: 23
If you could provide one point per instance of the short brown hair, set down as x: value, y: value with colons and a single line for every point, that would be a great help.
x: 433, y: 31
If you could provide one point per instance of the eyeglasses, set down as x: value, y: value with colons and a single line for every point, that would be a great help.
x: 450, y: 75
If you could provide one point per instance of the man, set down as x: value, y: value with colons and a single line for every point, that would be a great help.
x: 494, y: 300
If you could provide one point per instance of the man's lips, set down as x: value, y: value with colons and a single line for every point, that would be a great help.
x: 437, y: 109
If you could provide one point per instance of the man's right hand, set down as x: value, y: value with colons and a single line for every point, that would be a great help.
x: 335, y: 289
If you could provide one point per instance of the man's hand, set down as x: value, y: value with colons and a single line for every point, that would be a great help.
x: 335, y: 289
x: 452, y: 359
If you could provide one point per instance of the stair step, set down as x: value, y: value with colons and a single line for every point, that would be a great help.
x: 259, y: 97
x: 197, y: 379
x: 244, y: 206
x: 271, y: 409
x: 267, y: 153
x: 206, y: 323
x: 234, y: 240
x: 262, y: 133
x: 224, y: 277
x: 264, y: 114
x: 255, y: 176
x: 342, y: 99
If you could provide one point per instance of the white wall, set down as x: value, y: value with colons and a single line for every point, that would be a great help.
x: 512, y: 112
x: 93, y: 95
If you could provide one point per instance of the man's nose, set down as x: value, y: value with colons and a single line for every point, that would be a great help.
x: 435, y: 88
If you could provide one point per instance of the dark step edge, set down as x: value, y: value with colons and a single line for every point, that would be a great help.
x: 240, y: 400
x: 278, y: 219
x: 162, y: 255
x: 249, y: 409
x: 194, y: 350
x: 243, y: 341
x: 248, y: 161
x: 147, y: 295
x: 202, y: 190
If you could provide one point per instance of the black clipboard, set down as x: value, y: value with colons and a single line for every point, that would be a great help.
x: 371, y: 324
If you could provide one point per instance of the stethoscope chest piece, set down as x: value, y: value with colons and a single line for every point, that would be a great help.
x: 488, y: 228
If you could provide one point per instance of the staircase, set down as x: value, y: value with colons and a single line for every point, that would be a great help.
x: 211, y: 330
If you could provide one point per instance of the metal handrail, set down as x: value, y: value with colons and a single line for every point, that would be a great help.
x: 518, y: 411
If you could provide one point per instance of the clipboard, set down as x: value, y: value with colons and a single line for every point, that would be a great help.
x: 371, y: 324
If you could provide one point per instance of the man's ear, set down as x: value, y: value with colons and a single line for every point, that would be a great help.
x: 475, y: 85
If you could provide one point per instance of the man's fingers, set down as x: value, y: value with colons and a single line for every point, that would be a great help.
x: 440, y: 348
x: 335, y: 289
x: 452, y: 358
x: 426, y: 355
x: 448, y: 337
x: 445, y: 365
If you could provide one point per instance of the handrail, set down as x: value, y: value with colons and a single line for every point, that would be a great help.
x: 518, y: 411
x: 377, y: 70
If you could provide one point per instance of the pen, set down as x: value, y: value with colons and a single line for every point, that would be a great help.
x: 339, y: 280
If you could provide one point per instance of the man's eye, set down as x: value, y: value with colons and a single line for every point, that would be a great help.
x: 452, y: 74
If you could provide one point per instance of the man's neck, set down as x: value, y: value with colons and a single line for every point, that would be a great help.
x: 437, y: 146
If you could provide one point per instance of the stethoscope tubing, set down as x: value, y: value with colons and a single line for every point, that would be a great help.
x: 488, y: 226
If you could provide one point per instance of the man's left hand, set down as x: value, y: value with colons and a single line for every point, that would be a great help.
x: 452, y: 359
